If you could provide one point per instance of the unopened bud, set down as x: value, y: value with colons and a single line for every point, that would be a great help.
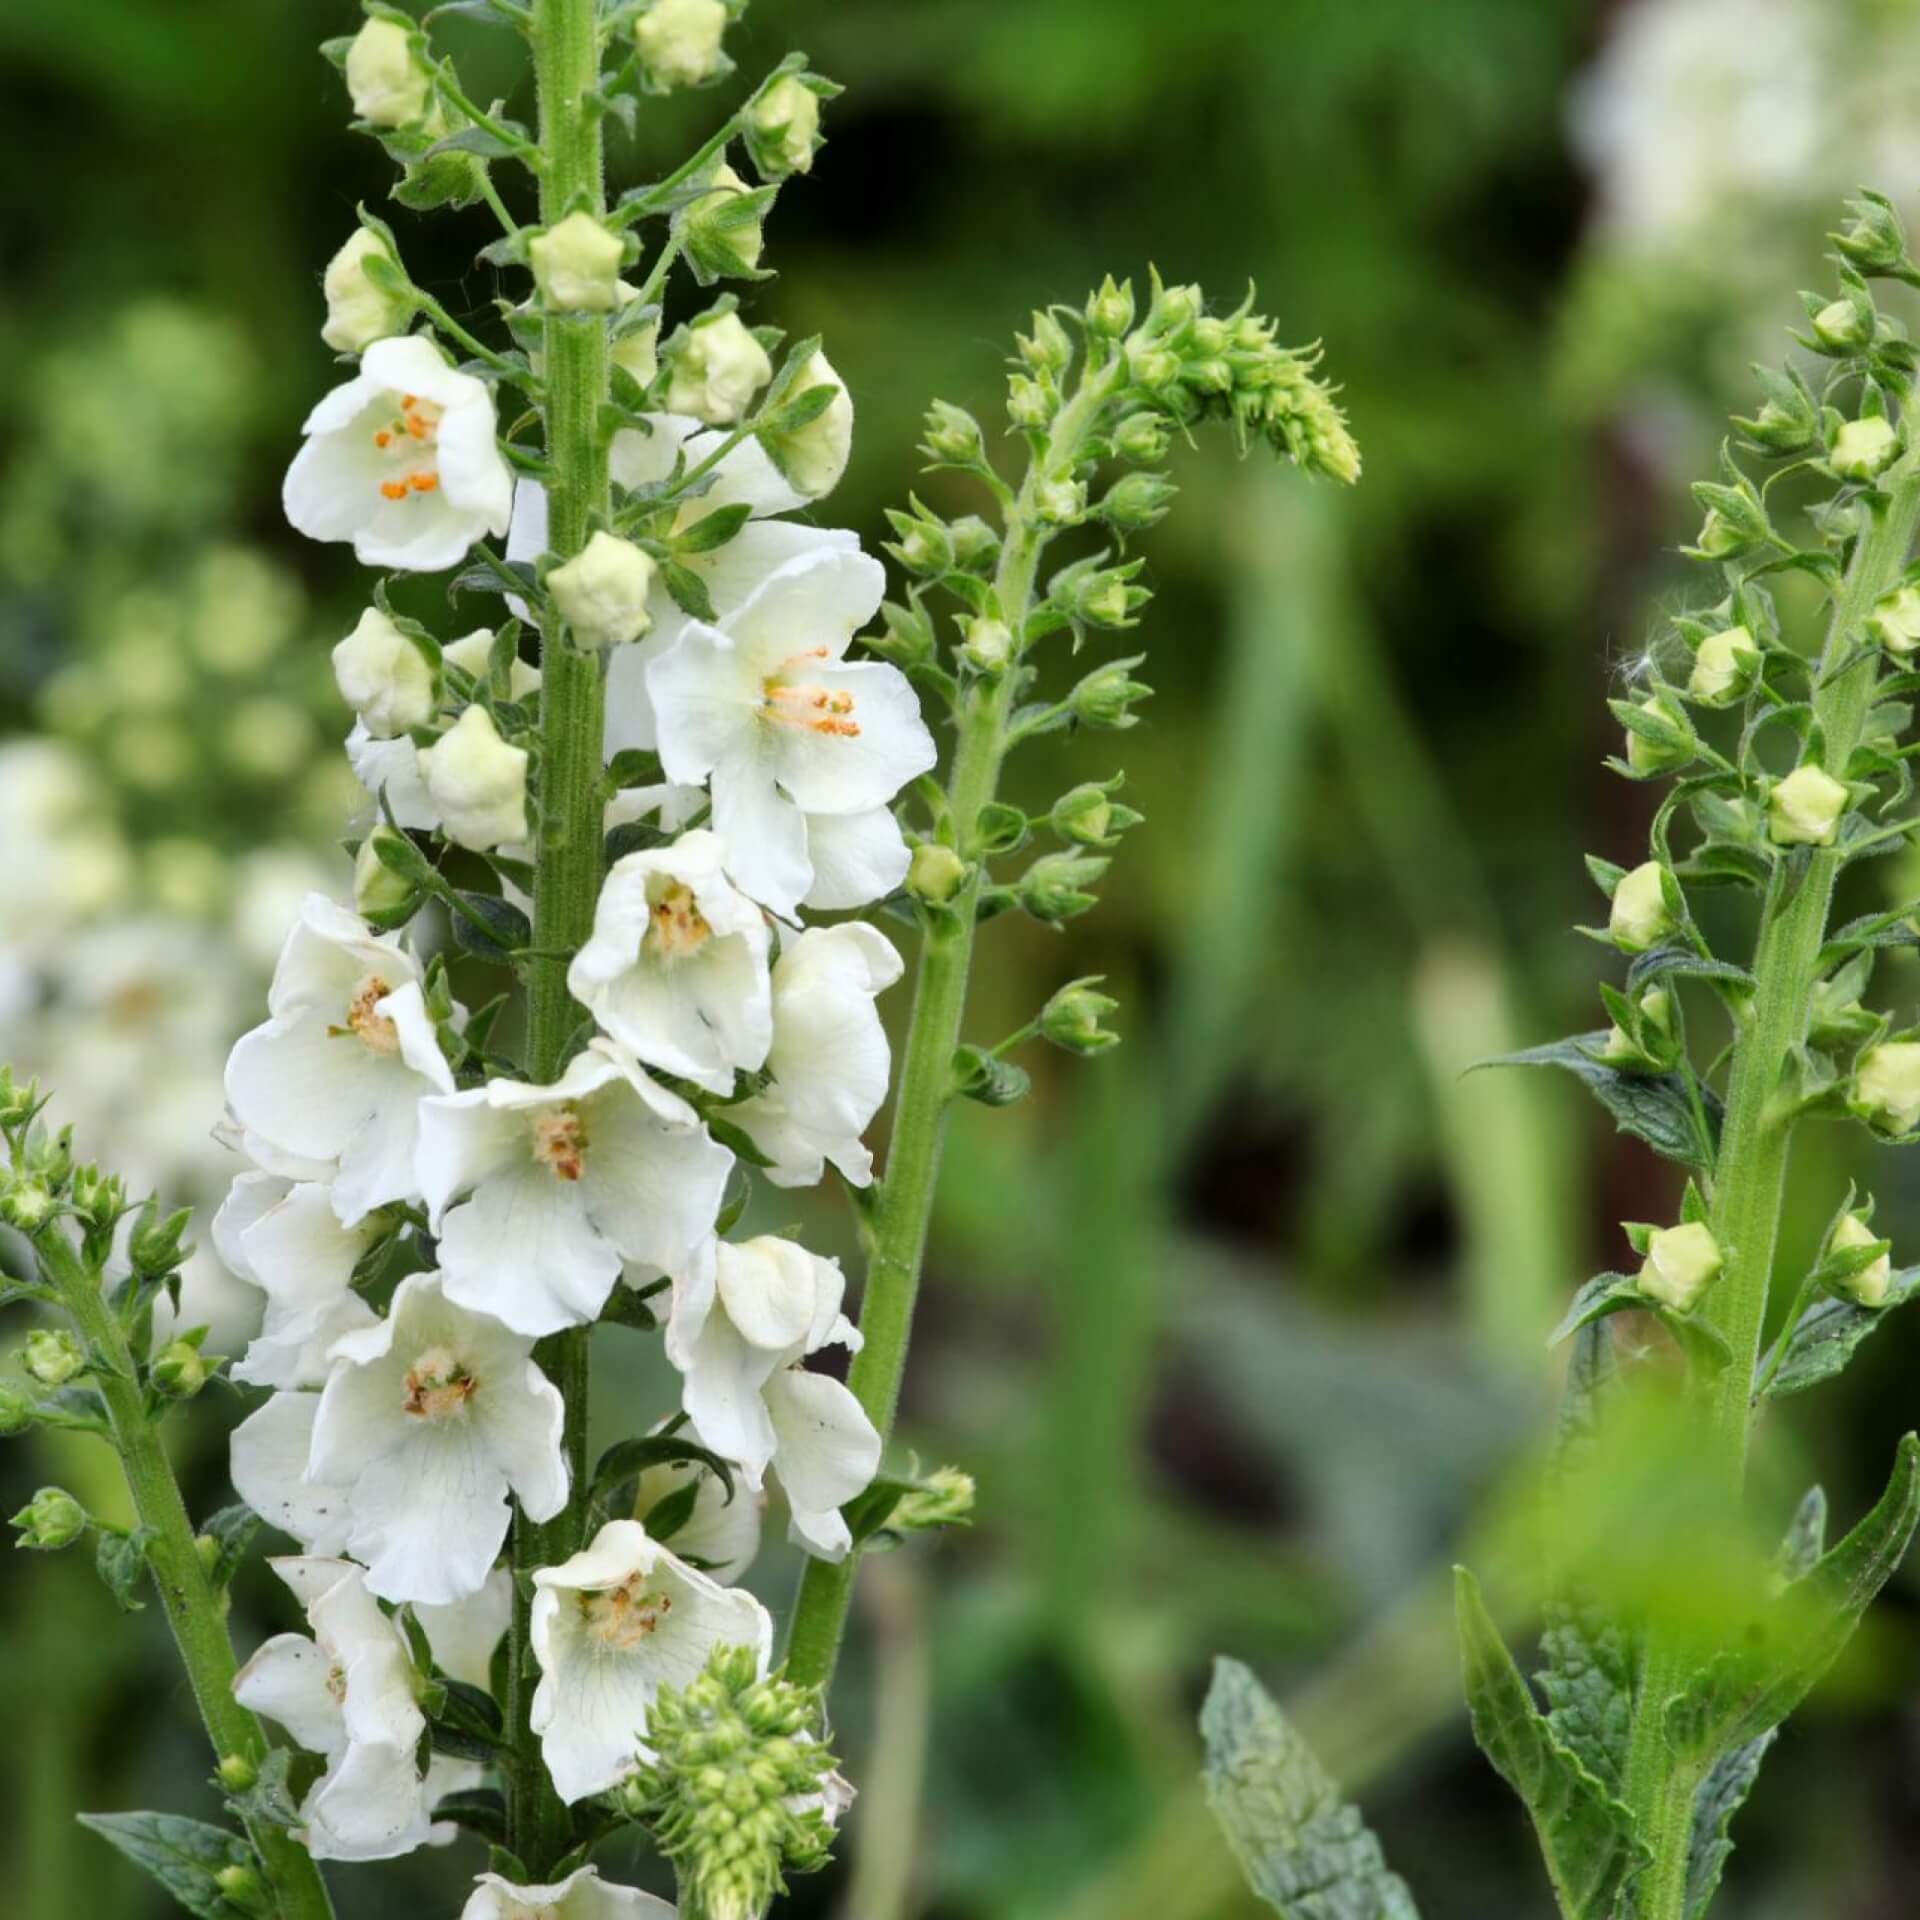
x: 988, y: 646
x: 17, y: 1102
x: 16, y: 1412
x: 1895, y: 622
x: 179, y: 1369
x: 1071, y: 1019
x: 1863, y: 448
x: 1681, y: 1263
x: 576, y: 265
x: 813, y: 454
x: 237, y: 1772
x: 1869, y: 1284
x: 1144, y: 438
x: 390, y: 84
x: 1151, y: 364
x: 1886, y: 1085
x: 1090, y: 817
x: 155, y: 1248
x: 783, y: 128
x: 936, y: 873
x: 385, y: 677
x: 722, y: 229
x: 601, y: 593
x: 952, y: 433
x: 1105, y: 698
x: 380, y: 892
x: 1639, y: 918
x: 679, y: 42
x: 477, y: 783
x: 1138, y: 500
x: 1047, y: 349
x: 637, y: 352
x: 1723, y: 664
x: 1110, y: 311
x: 1805, y: 809
x: 1873, y: 240
x: 1670, y: 743
x: 1055, y: 887
x: 52, y: 1519
x: 924, y: 546
x: 716, y: 371
x: 1844, y: 325
x: 1030, y: 403
x: 52, y: 1356
x: 944, y: 1499
x: 359, y: 309
x: 975, y: 544
x: 1061, y: 501
x: 241, y: 1888
x: 25, y: 1204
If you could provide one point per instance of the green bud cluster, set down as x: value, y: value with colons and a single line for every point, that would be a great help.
x: 736, y: 1787
x: 943, y: 1499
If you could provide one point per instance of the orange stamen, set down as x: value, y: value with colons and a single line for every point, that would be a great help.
x: 423, y: 482
x: 383, y: 438
x: 394, y: 489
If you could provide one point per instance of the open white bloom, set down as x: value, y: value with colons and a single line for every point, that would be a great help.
x: 577, y: 265
x: 392, y: 767
x: 581, y: 1896
x: 612, y: 1626
x: 427, y: 1420
x: 565, y: 1184
x: 739, y: 1340
x: 267, y: 1460
x: 767, y: 707
x: 338, y: 1070
x: 286, y: 1239
x: 602, y: 592
x: 829, y: 1057
x: 679, y: 40
x: 814, y: 456
x: 477, y: 783
x: 347, y: 1694
x: 402, y: 462
x: 384, y: 677
x: 358, y: 311
x: 719, y: 366
x: 390, y: 85
x: 676, y: 967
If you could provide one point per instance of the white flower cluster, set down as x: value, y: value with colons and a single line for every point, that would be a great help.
x: 401, y: 1432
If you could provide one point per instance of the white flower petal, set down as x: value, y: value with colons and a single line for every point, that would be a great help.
x: 581, y: 1896
x: 856, y: 858
x: 828, y: 1451
x: 289, y: 1681
x: 269, y: 1452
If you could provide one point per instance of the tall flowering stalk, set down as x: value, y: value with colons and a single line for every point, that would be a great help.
x: 619, y: 812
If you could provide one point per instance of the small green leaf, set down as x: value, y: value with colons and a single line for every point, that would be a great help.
x: 233, y: 1528
x: 506, y: 931
x: 1654, y: 1107
x: 1720, y: 1797
x: 667, y: 1516
x: 481, y: 1810
x: 979, y: 1075
x: 1587, y: 1837
x: 688, y: 590
x: 1305, y: 1851
x: 183, y: 1855
x: 121, y: 1559
x: 714, y: 529
x: 1604, y: 1294
x: 1829, y: 1332
x: 468, y: 1723
x: 626, y: 1460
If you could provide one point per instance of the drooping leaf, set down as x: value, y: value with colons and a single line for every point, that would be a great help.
x: 121, y: 1559
x: 468, y: 1723
x: 1304, y: 1850
x: 232, y: 1529
x: 183, y: 1855
x: 627, y: 1459
x: 481, y: 1810
x: 1587, y: 1837
x: 490, y: 928
x: 1829, y: 1332
x: 1654, y: 1107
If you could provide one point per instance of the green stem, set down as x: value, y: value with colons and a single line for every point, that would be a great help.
x: 1750, y: 1177
x: 195, y: 1612
x: 567, y: 861
x: 898, y: 1242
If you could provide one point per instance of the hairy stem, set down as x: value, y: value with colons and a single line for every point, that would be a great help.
x: 898, y: 1243
x: 1750, y: 1174
x: 195, y: 1612
x: 567, y: 861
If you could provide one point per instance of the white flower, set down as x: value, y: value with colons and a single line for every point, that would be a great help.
x: 829, y: 1057
x: 389, y: 84
x: 287, y: 1240
x: 426, y: 1421
x: 739, y: 1339
x: 402, y: 462
x: 476, y: 783
x: 347, y: 1694
x: 815, y: 455
x: 358, y: 311
x: 267, y: 1460
x: 679, y: 40
x: 465, y: 1633
x: 1805, y: 808
x: 565, y: 1184
x: 601, y: 593
x: 611, y: 1627
x: 337, y: 1072
x: 768, y: 707
x: 676, y: 967
x: 384, y: 677
x: 719, y: 366
x: 577, y: 265
x: 582, y: 1895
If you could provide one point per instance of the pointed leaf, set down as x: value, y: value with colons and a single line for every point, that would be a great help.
x: 1829, y: 1332
x: 1654, y: 1107
x: 183, y: 1855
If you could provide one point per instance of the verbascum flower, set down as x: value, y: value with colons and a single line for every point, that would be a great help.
x: 477, y: 783
x: 1805, y: 809
x: 679, y: 42
x: 360, y: 310
x: 813, y: 456
x: 1681, y: 1263
x: 390, y: 84
x: 581, y: 1896
x: 716, y: 370
x: 385, y: 677
x: 602, y: 592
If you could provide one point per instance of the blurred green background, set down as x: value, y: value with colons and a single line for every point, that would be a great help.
x: 1239, y: 1327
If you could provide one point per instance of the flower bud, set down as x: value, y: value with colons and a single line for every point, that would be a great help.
x: 944, y: 1499
x: 1143, y: 438
x: 1844, y: 326
x: 679, y: 42
x: 1874, y: 239
x: 242, y: 1889
x: 156, y: 1246
x: 576, y: 265
x: 1107, y: 597
x: 1110, y: 311
x: 783, y: 128
x: 1137, y: 500
x: 381, y: 893
x: 936, y: 873
x: 1047, y: 349
x: 1071, y: 1019
x: 390, y: 84
x: 637, y: 352
x: 16, y: 1412
x: 1863, y: 448
x: 18, y: 1104
x: 1106, y: 696
x: 975, y: 544
x: 722, y: 228
x: 925, y: 546
x: 1886, y: 1085
x: 1681, y: 1264
x: 1089, y: 816
x: 1723, y: 664
x: 1895, y: 622
x: 52, y: 1356
x: 601, y: 593
x: 24, y: 1204
x: 1639, y: 918
x: 237, y: 1773
x: 52, y: 1519
x: 1675, y: 745
x: 1869, y: 1285
x: 384, y: 677
x: 813, y: 454
x: 1031, y: 403
x: 1656, y: 1018
x: 716, y: 370
x: 1736, y: 521
x: 1061, y: 501
x: 1055, y: 887
x: 988, y: 645
x: 477, y: 783
x: 1150, y: 363
x: 953, y: 434
x: 1804, y: 809
x: 179, y: 1370
x: 359, y: 310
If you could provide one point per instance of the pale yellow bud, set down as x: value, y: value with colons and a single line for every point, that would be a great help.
x: 384, y: 677
x: 1681, y: 1263
x: 1887, y: 1084
x: 1804, y: 810
x: 577, y: 265
x: 601, y: 593
x: 717, y: 371
x: 358, y: 311
x: 1895, y: 622
x: 389, y: 84
x: 1863, y: 448
x: 477, y: 783
x: 1722, y: 663
x: 1869, y: 1286
x: 1639, y: 918
x: 679, y: 41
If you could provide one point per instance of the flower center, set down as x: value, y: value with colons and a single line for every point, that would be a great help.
x: 337, y: 1685
x: 560, y: 1140
x: 438, y: 1386
x: 679, y: 927
x: 366, y: 1022
x: 626, y: 1616
x: 410, y: 440
x: 791, y: 702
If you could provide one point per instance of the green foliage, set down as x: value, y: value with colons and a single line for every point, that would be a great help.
x: 1304, y: 1850
x: 1826, y: 1334
x: 1670, y: 1112
x: 195, y: 1862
